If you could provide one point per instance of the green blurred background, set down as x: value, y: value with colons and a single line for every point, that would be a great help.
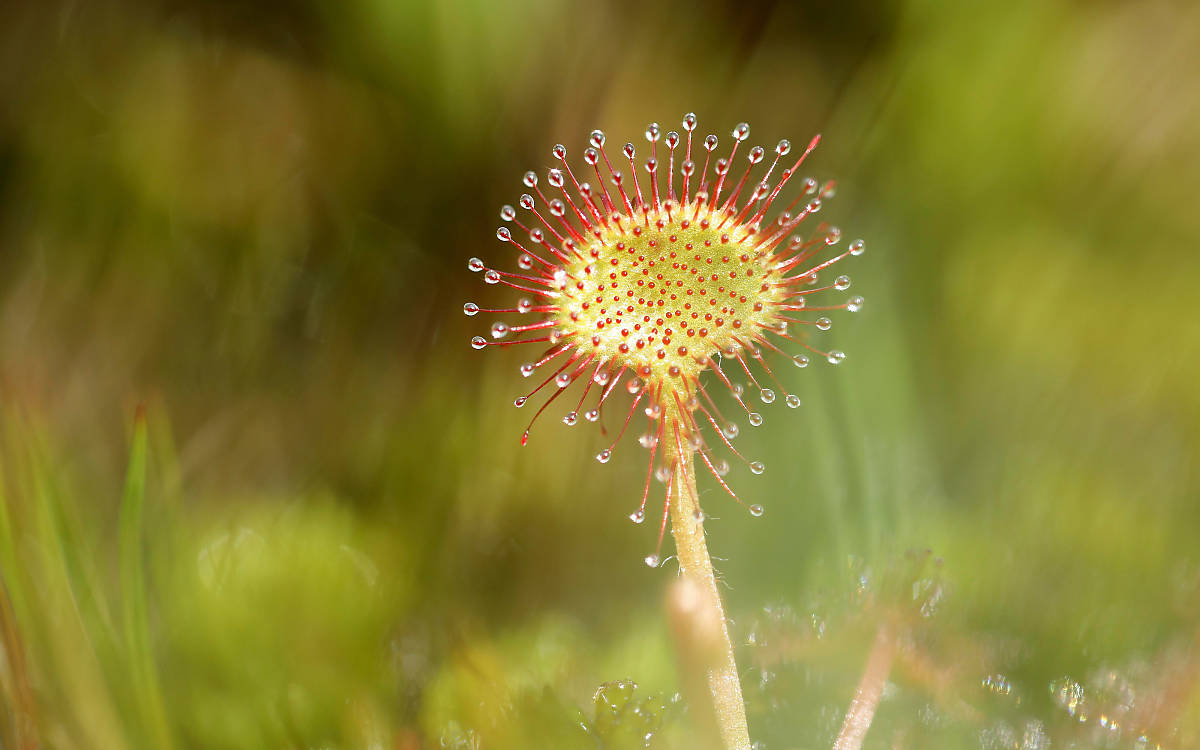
x: 254, y: 219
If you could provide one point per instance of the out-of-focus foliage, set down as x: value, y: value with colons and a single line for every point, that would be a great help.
x: 254, y: 218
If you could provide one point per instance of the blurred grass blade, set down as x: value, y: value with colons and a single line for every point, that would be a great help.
x: 134, y: 610
x: 18, y: 725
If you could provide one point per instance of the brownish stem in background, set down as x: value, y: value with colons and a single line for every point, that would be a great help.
x: 687, y: 526
x: 23, y: 711
x: 870, y: 689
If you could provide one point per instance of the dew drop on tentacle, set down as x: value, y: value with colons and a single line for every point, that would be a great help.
x: 520, y: 401
x: 527, y: 369
x: 792, y: 400
x: 858, y: 247
x: 824, y: 324
x: 854, y: 304
x: 596, y: 139
x: 571, y: 419
x: 652, y: 132
x: 499, y: 330
x: 475, y: 265
x: 731, y: 430
x: 478, y: 342
x: 530, y: 179
x: 767, y: 395
x: 604, y: 455
x: 592, y: 415
x: 741, y: 132
x: 754, y: 418
x: 651, y: 561
x: 800, y: 360
x: 841, y: 283
x: 756, y: 510
x: 710, y: 143
x: 524, y: 305
x: 783, y: 147
x: 491, y: 277
x: 637, y: 516
x: 721, y: 467
x: 836, y: 357
x: 757, y: 467
x: 689, y: 121
x: 471, y: 309
x: 662, y: 474
x: 507, y: 213
x: 563, y: 379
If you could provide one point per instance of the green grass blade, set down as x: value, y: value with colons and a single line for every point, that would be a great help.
x: 134, y: 609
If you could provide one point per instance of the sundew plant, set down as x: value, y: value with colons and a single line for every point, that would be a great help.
x: 264, y: 485
x: 652, y: 291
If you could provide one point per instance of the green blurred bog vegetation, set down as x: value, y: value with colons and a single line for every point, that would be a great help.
x: 253, y: 220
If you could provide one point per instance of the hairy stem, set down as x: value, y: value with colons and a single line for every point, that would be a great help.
x: 687, y: 526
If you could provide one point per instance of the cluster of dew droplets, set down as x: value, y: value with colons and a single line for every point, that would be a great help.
x: 623, y: 718
x: 562, y: 227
